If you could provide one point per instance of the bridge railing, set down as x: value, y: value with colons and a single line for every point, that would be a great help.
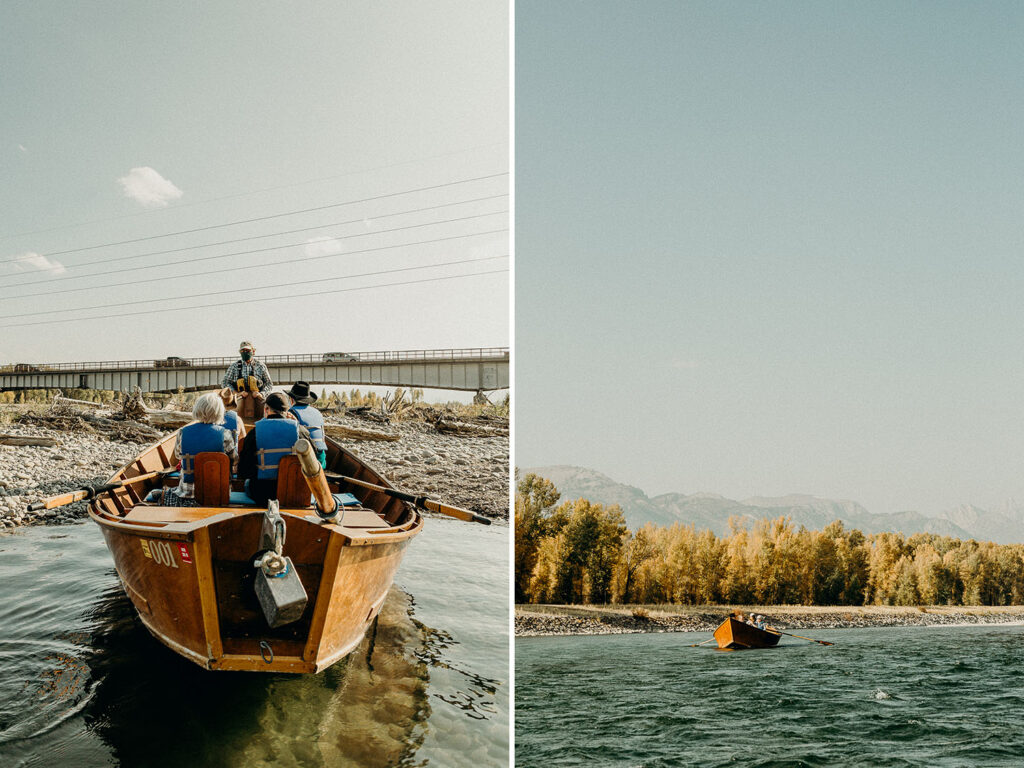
x: 322, y: 358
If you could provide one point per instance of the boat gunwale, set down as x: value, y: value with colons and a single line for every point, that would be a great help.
x: 408, y: 525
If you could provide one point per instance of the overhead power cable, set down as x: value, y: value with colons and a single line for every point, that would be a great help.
x: 252, y: 192
x: 268, y: 217
x: 254, y: 301
x: 50, y: 281
x: 236, y: 289
x: 251, y: 266
x: 276, y: 234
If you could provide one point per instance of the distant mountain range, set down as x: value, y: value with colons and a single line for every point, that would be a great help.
x: 708, y: 510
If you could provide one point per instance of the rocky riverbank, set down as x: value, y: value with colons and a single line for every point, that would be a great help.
x: 469, y: 472
x: 538, y: 621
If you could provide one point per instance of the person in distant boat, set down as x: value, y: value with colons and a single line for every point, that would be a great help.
x: 205, y: 434
x: 232, y: 421
x: 269, y: 441
x: 250, y: 378
x: 309, y: 417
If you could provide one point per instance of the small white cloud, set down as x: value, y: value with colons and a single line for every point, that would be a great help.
x: 146, y: 186
x: 22, y: 148
x: 323, y: 246
x: 35, y: 262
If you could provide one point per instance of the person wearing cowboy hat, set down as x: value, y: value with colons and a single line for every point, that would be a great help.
x: 309, y: 417
x: 250, y: 378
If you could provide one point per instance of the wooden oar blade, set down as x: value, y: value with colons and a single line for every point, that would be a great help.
x: 64, y: 499
x: 461, y: 514
x: 801, y: 637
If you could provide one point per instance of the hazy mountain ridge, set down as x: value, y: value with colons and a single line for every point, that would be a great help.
x: 708, y: 510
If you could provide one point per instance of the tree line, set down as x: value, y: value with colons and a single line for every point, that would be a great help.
x: 582, y: 552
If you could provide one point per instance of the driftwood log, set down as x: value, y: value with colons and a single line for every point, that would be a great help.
x: 463, y: 429
x: 169, y: 419
x: 61, y: 400
x: 49, y: 442
x: 339, y: 432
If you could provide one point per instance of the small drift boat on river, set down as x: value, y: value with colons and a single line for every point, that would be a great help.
x: 203, y: 583
x: 735, y: 635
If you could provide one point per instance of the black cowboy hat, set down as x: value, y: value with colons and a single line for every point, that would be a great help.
x: 300, y: 393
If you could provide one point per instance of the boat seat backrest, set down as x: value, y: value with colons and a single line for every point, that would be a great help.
x: 292, y: 491
x: 213, y: 479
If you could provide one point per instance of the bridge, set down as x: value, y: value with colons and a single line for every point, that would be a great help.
x: 481, y: 368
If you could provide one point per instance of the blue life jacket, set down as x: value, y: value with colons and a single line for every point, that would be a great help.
x: 312, y: 420
x: 274, y: 441
x: 196, y: 439
x: 232, y: 421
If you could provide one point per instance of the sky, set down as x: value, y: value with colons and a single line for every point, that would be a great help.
x: 309, y: 176
x: 773, y: 248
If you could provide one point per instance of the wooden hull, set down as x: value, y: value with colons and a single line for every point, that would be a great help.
x: 188, y: 570
x: 738, y: 635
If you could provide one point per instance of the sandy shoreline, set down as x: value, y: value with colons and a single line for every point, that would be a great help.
x: 552, y: 620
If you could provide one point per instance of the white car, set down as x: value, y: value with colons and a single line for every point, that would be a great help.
x: 340, y: 357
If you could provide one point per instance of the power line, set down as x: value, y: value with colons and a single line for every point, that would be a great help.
x: 235, y: 289
x: 252, y: 192
x: 50, y: 281
x: 273, y: 234
x: 253, y: 266
x: 263, y: 300
x: 267, y: 218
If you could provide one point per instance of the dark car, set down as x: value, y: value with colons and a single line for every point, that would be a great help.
x: 172, y: 362
x: 25, y: 368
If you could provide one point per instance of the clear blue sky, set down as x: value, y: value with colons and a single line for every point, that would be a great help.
x: 237, y: 110
x: 769, y: 248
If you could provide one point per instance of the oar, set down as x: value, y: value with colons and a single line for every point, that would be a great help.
x: 710, y: 639
x: 420, y: 501
x: 88, y: 492
x: 780, y: 632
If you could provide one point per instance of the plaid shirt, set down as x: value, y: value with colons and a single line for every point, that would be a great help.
x: 243, y: 370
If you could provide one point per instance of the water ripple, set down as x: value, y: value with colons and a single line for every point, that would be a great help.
x: 881, y: 697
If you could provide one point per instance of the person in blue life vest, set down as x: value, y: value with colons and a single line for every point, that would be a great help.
x: 269, y: 441
x: 250, y: 378
x: 205, y: 434
x: 232, y: 421
x: 309, y: 417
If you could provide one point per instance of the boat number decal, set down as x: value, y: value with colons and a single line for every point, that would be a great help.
x: 162, y: 552
x: 185, y: 558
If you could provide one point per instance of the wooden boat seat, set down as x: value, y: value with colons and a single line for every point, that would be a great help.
x: 362, y: 518
x: 292, y: 491
x: 213, y: 479
x: 358, y: 518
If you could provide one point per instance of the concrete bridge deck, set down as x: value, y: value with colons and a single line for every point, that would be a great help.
x: 484, y: 368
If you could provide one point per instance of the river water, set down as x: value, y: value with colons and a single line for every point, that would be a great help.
x: 83, y: 684
x: 950, y: 696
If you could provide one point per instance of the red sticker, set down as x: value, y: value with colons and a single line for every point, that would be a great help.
x: 183, y: 548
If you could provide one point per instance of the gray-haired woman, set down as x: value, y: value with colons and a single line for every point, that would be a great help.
x: 205, y: 434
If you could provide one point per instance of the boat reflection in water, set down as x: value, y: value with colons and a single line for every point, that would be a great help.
x: 154, y: 708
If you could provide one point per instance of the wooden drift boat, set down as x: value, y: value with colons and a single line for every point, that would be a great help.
x: 735, y: 635
x: 189, y: 571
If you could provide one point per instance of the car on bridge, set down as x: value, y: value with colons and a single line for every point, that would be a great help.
x: 340, y: 357
x: 25, y: 368
x: 172, y: 362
